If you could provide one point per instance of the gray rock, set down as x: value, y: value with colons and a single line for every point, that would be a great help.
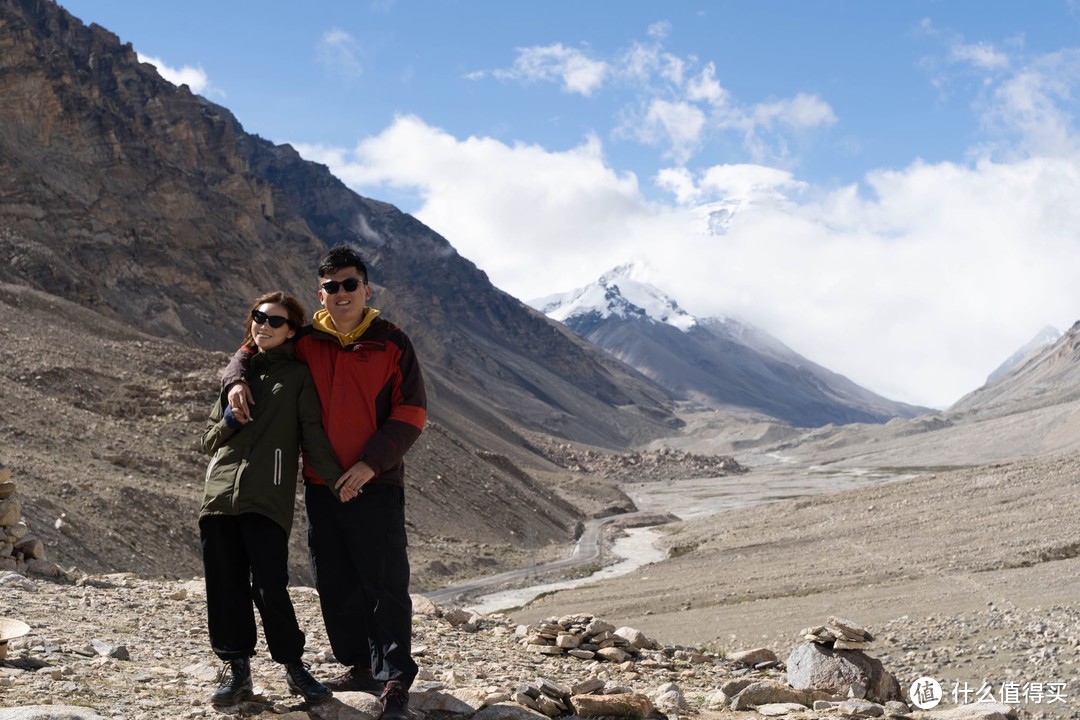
x: 120, y: 652
x: 635, y: 638
x: 753, y: 657
x: 10, y: 511
x: 860, y: 708
x: 442, y: 702
x: 349, y: 706
x: 507, y: 711
x: 780, y: 709
x: 49, y: 712
x: 669, y: 697
x: 970, y: 711
x: 628, y: 706
x: 769, y: 692
x: 814, y: 666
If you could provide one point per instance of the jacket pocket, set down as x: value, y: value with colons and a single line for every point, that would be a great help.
x: 277, y: 466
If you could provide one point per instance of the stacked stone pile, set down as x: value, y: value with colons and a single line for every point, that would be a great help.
x: 584, y: 637
x: 19, y: 550
x: 839, y: 634
x: 833, y: 662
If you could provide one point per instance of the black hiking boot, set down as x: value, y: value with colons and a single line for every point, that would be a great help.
x: 301, y: 683
x: 235, y: 679
x: 356, y: 679
x: 395, y: 702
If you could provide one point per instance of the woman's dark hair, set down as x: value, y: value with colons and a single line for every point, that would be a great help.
x: 294, y: 311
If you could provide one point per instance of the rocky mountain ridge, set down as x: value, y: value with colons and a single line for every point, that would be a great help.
x: 137, y: 221
x: 125, y: 193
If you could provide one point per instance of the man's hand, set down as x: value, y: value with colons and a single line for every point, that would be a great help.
x: 241, y: 401
x: 352, y: 482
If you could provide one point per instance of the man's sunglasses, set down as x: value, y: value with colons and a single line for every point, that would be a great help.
x: 350, y: 285
x: 274, y: 321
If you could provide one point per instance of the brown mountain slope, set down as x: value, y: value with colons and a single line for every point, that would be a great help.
x: 123, y: 192
x: 100, y: 424
x: 136, y: 223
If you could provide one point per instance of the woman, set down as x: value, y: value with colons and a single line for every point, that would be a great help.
x: 247, y: 509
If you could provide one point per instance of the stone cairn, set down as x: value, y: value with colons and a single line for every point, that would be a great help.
x: 834, y: 661
x: 839, y: 634
x: 19, y: 550
x: 596, y: 643
x: 584, y: 637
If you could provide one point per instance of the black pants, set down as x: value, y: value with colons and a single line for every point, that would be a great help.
x: 246, y: 560
x: 361, y: 566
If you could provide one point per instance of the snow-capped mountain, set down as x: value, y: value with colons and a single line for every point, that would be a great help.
x: 717, y: 362
x: 616, y: 294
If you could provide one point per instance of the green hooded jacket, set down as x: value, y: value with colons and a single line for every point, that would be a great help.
x: 253, y: 469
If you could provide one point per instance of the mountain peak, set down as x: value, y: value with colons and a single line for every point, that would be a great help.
x: 617, y: 294
x: 1047, y: 336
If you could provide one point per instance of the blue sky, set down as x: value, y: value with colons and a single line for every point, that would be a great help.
x: 891, y: 186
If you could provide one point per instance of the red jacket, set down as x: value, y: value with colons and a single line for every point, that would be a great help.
x: 374, y: 405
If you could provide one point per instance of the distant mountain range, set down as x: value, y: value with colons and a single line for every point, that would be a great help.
x: 1047, y: 336
x: 1040, y: 374
x: 718, y: 362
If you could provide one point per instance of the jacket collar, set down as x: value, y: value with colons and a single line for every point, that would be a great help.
x: 321, y: 321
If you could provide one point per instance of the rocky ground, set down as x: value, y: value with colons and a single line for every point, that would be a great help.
x: 135, y: 649
x: 965, y: 576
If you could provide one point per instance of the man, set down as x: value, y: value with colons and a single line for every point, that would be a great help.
x: 374, y: 407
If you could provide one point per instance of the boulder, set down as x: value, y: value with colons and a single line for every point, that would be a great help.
x: 817, y: 667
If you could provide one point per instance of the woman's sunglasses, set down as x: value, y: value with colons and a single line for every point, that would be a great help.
x: 350, y: 285
x: 274, y: 321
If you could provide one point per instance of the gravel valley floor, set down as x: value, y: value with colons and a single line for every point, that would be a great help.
x: 970, y: 576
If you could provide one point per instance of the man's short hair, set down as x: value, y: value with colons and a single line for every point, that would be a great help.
x: 342, y: 256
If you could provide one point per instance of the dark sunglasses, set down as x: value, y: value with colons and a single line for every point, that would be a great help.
x: 274, y: 321
x: 350, y: 285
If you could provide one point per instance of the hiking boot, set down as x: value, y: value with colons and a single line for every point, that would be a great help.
x: 356, y: 679
x: 235, y: 679
x: 395, y: 702
x: 301, y: 683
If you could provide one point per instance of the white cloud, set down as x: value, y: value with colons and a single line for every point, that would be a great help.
x: 680, y: 183
x: 659, y: 30
x: 802, y: 111
x: 576, y: 71
x: 705, y: 87
x: 194, y: 77
x: 538, y: 220
x: 678, y: 125
x: 668, y: 102
x: 916, y: 285
x: 1032, y: 110
x: 917, y: 282
x: 981, y: 55
x: 339, y: 52
x: 745, y: 180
